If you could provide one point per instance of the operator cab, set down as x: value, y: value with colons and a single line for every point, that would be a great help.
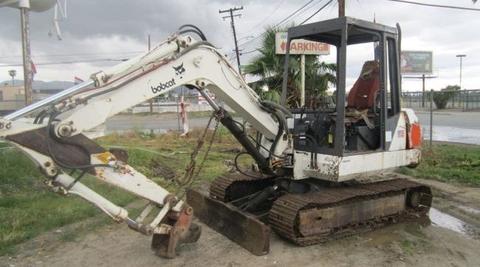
x: 361, y: 118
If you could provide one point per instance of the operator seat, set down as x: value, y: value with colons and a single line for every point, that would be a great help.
x: 363, y: 93
x: 362, y: 97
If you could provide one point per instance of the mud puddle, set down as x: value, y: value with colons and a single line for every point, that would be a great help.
x: 444, y: 220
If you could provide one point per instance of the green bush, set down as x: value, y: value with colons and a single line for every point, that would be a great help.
x: 441, y: 98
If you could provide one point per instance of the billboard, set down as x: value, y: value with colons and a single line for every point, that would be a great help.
x: 299, y: 46
x: 416, y: 62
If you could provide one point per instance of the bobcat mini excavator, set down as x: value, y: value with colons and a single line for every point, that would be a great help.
x: 320, y: 173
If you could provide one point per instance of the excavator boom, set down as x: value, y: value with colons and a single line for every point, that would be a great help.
x: 55, y: 138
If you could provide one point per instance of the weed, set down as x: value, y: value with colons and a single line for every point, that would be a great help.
x: 407, y: 246
x: 449, y: 163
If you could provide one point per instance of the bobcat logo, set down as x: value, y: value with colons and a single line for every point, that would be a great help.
x: 179, y: 70
x: 163, y: 86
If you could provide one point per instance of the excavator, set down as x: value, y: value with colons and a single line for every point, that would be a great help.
x: 318, y: 174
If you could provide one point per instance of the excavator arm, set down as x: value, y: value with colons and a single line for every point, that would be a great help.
x: 55, y: 139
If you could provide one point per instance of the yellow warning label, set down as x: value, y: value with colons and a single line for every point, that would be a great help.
x: 105, y: 157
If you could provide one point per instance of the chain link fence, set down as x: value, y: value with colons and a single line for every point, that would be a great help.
x: 465, y: 100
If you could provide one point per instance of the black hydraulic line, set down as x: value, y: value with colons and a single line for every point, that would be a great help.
x: 245, y: 141
x: 39, y: 116
x: 259, y: 198
x: 282, y: 124
x: 199, y: 32
x: 235, y: 163
x: 282, y: 127
x: 286, y: 112
x: 76, y: 180
x: 259, y: 145
x: 53, y: 137
x: 192, y: 31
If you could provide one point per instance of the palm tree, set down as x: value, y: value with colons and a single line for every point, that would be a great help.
x: 269, y: 66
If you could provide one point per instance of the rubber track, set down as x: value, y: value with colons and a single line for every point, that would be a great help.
x: 283, y: 215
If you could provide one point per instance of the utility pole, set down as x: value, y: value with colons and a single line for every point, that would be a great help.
x: 232, y: 22
x: 24, y: 6
x: 341, y: 8
x: 148, y: 42
x: 461, y: 60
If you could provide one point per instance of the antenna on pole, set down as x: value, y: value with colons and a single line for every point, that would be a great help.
x: 25, y: 6
x: 59, y: 14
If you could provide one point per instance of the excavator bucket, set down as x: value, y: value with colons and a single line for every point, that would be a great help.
x: 240, y: 227
x: 182, y: 231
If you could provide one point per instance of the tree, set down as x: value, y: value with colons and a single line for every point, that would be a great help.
x: 441, y: 98
x: 269, y: 66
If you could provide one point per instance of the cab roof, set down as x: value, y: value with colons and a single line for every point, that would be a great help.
x: 330, y: 31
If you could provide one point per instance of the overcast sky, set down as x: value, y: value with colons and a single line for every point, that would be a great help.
x: 116, y: 29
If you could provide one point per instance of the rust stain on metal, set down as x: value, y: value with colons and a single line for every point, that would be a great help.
x: 182, y: 231
x: 299, y: 217
x: 322, y: 220
x: 242, y: 228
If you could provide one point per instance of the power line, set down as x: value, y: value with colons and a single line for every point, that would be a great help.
x: 435, y: 5
x: 266, y: 18
x: 308, y: 9
x: 249, y: 52
x: 316, y: 12
x: 295, y: 12
x: 69, y: 62
x: 279, y: 23
x: 290, y: 16
x: 76, y: 54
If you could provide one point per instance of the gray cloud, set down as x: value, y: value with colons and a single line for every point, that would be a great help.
x: 109, y: 27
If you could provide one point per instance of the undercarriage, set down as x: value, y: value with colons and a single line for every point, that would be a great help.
x: 245, y: 207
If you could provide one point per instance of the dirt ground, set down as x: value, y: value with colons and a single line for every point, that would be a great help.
x: 407, y: 244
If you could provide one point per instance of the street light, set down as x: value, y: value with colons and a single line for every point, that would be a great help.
x: 12, y: 74
x: 461, y: 59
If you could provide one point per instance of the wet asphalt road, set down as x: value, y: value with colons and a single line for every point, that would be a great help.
x: 466, y: 120
x: 463, y: 127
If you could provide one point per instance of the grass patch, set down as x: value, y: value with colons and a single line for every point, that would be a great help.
x: 28, y: 208
x: 449, y: 163
x: 407, y: 246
